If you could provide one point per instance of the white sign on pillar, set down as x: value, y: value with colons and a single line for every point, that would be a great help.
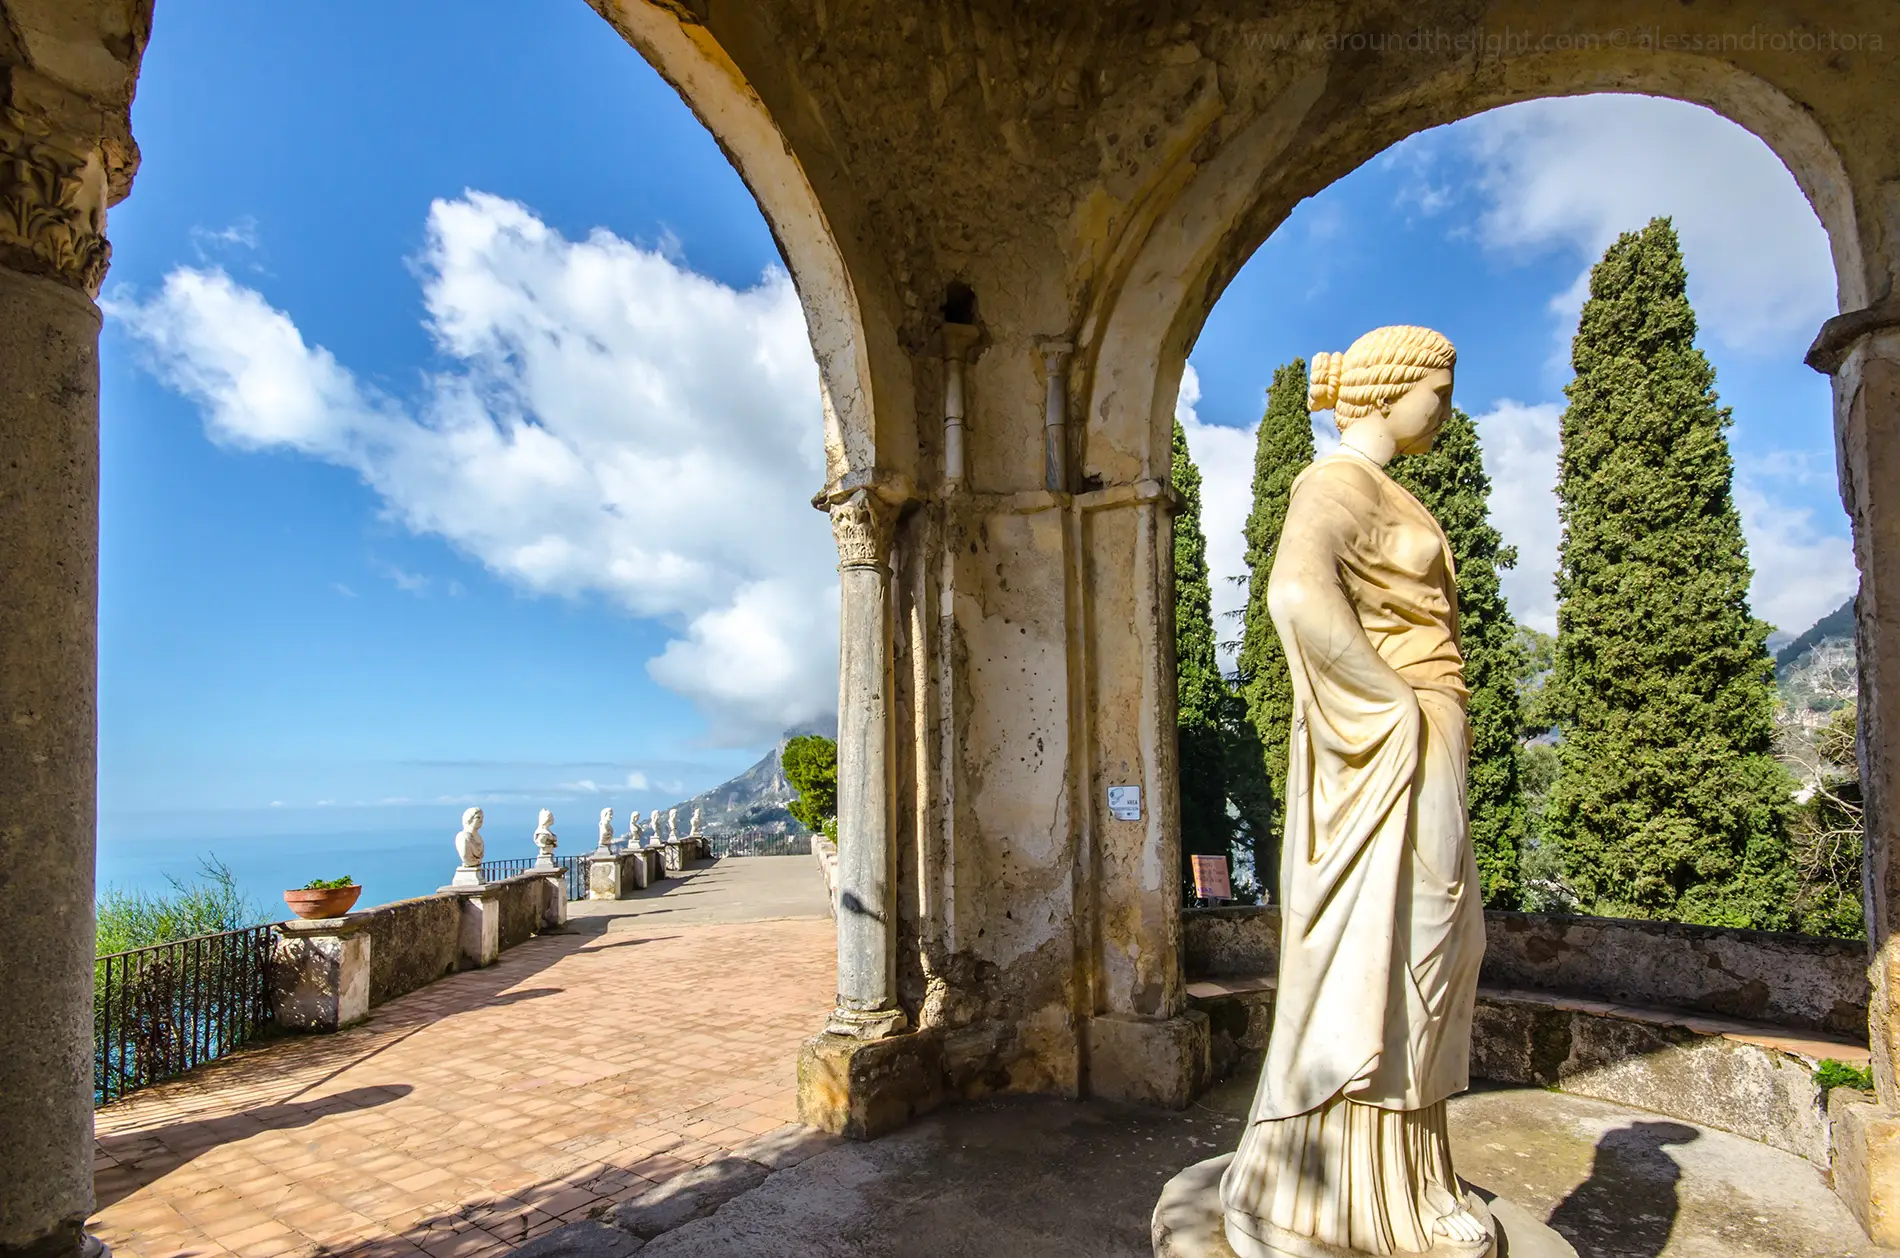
x: 1124, y: 803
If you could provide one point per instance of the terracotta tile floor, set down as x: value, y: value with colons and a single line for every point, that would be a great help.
x: 482, y: 1110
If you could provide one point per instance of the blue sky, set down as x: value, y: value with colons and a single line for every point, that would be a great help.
x: 344, y: 591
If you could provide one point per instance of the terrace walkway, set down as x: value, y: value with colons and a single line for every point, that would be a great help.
x: 501, y: 1105
x: 493, y: 1105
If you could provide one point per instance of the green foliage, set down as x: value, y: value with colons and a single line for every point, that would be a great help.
x: 1283, y: 446
x: 329, y: 884
x: 1667, y: 802
x: 1832, y: 1074
x: 1826, y: 833
x: 1537, y: 653
x: 811, y: 766
x: 1202, y: 696
x: 1450, y: 481
x: 204, y: 905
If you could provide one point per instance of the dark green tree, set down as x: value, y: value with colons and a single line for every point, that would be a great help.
x: 1450, y: 481
x: 1202, y: 696
x: 1282, y: 447
x: 810, y: 762
x: 1668, y: 802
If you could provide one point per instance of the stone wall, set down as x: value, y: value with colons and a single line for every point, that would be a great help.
x: 412, y: 944
x: 1786, y: 980
x: 523, y: 902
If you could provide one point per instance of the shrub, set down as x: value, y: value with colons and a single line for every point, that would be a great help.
x: 1832, y: 1074
x: 205, y: 905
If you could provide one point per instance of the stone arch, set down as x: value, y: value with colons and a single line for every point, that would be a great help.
x: 1149, y: 313
x: 864, y: 375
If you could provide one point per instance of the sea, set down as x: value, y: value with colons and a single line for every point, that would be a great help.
x: 390, y: 865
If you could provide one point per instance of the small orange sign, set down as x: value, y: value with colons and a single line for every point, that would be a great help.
x: 1210, y: 878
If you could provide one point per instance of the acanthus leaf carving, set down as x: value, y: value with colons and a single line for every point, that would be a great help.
x: 861, y: 525
x: 52, y: 206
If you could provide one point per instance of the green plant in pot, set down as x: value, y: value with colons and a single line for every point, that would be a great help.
x: 323, y: 897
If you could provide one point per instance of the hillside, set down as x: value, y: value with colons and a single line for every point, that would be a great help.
x: 1836, y: 626
x: 756, y: 799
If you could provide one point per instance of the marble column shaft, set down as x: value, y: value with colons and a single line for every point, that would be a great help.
x: 867, y: 855
x: 49, y: 599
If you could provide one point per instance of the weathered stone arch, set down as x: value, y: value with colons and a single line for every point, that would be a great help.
x: 1150, y: 312
x: 1205, y: 217
x: 865, y: 378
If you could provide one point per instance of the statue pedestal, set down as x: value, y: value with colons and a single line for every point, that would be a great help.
x: 1187, y: 1224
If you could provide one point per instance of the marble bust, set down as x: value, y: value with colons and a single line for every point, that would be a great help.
x: 673, y: 825
x: 1346, y: 1149
x: 606, y: 829
x: 653, y: 819
x: 695, y: 829
x: 468, y: 840
x: 468, y: 850
x: 544, y: 838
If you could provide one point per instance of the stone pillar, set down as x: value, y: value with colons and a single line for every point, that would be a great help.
x: 53, y: 256
x: 867, y: 1073
x: 479, y: 944
x: 320, y: 974
x: 867, y: 889
x: 554, y: 903
x: 1861, y: 351
x: 1141, y: 1041
x: 603, y: 877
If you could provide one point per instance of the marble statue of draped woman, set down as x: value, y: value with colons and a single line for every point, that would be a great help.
x: 1382, y: 928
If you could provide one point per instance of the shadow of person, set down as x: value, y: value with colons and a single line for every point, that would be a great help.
x: 1628, y: 1206
x: 160, y: 1151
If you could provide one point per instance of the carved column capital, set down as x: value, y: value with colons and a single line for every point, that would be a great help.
x: 861, y: 525
x: 52, y: 204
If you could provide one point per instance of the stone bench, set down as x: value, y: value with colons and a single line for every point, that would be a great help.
x: 1753, y: 1079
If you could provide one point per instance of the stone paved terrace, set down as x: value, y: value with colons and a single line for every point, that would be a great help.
x: 492, y: 1105
x: 522, y: 1102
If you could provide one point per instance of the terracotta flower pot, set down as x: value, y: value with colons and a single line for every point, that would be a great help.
x: 330, y: 902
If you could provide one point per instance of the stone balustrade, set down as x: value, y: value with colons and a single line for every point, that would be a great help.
x: 1795, y: 981
x: 330, y: 972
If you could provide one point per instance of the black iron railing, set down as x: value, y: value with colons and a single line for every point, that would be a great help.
x: 573, y: 867
x: 159, y: 1011
x: 760, y: 843
x: 495, y: 871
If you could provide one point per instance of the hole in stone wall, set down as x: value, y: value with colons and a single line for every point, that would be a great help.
x: 959, y: 303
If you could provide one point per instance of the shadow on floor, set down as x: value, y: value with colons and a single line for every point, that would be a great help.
x: 1628, y: 1206
x: 184, y: 1141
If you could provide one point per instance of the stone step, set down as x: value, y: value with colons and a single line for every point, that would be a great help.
x: 1753, y: 1079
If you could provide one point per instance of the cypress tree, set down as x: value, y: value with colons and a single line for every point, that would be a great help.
x: 1451, y: 482
x: 1201, y: 692
x: 1668, y: 802
x: 1282, y: 447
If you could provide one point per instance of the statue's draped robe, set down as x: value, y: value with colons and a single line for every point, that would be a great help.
x: 1382, y: 930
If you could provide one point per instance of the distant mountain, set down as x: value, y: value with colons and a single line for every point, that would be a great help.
x: 1836, y: 626
x: 756, y: 799
x: 1815, y: 678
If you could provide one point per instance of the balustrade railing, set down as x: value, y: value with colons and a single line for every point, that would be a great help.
x: 160, y: 1010
x: 759, y: 843
x: 573, y: 868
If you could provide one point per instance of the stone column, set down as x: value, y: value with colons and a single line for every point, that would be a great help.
x: 53, y: 256
x: 867, y: 889
x: 1861, y: 351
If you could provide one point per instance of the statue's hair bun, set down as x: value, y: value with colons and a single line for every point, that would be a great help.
x: 1322, y: 389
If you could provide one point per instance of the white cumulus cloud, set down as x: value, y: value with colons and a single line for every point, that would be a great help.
x: 1575, y: 172
x: 1521, y: 446
x: 1224, y: 456
x: 611, y: 424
